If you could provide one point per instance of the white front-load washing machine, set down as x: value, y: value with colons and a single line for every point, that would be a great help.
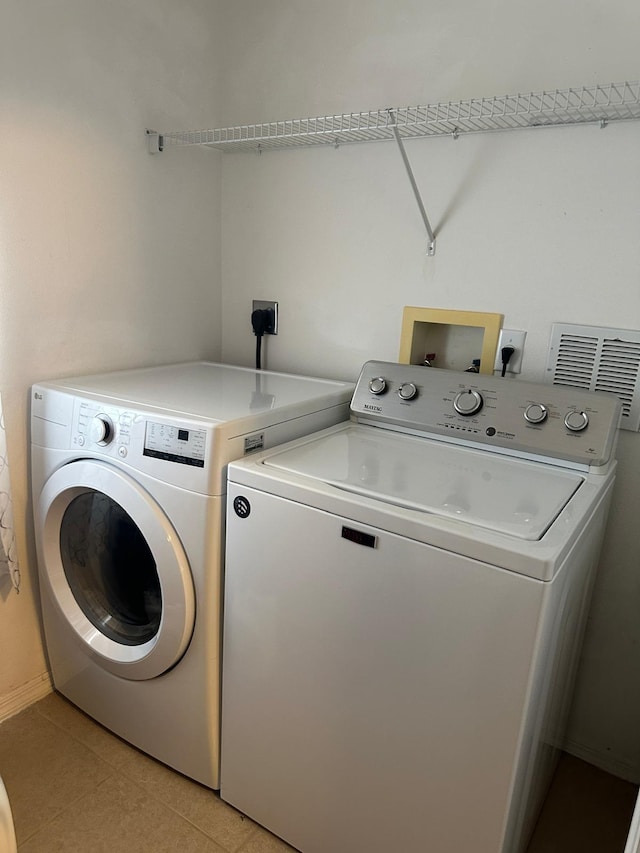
x: 129, y: 482
x: 404, y: 600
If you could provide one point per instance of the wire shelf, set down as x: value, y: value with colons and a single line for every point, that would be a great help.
x: 590, y: 104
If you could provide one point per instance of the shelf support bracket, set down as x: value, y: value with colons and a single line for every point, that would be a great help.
x: 155, y: 141
x: 431, y: 247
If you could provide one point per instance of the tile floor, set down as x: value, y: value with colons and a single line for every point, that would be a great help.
x: 586, y: 811
x: 75, y: 788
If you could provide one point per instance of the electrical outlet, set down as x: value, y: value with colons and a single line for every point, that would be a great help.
x: 260, y: 304
x: 510, y: 338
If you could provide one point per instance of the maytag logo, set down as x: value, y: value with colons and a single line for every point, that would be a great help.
x: 370, y: 408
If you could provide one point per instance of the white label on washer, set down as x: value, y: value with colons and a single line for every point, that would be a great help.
x: 253, y: 443
x: 174, y: 444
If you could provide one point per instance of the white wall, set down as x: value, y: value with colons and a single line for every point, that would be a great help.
x: 109, y: 257
x: 539, y: 225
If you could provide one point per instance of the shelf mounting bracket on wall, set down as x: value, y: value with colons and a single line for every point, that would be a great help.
x: 155, y: 142
x: 431, y: 246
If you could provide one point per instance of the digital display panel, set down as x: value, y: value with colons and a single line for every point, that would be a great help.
x: 175, y: 444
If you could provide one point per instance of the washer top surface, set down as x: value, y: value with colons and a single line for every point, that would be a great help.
x: 216, y: 392
x: 510, y: 496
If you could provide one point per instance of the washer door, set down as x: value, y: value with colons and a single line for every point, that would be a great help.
x: 116, y: 569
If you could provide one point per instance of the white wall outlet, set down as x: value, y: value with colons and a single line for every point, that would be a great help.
x: 510, y: 338
x: 264, y: 303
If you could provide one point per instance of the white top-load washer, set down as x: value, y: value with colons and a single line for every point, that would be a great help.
x: 404, y: 600
x: 129, y: 483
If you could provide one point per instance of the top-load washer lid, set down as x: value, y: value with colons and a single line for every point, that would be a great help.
x: 511, y: 496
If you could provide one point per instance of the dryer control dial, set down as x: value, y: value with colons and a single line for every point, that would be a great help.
x: 102, y: 431
x: 407, y: 391
x: 378, y: 385
x: 535, y: 413
x: 468, y: 402
x: 576, y: 421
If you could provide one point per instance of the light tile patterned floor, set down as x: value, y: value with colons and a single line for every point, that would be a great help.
x: 76, y: 788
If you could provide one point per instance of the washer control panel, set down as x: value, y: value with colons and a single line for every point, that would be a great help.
x: 527, y: 417
x: 109, y: 429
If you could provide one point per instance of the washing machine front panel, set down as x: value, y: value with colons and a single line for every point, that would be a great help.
x: 116, y: 569
x: 366, y: 677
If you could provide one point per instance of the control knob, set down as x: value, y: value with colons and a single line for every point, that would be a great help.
x: 407, y: 391
x: 468, y: 402
x: 576, y: 421
x: 378, y: 385
x: 102, y: 431
x: 535, y: 413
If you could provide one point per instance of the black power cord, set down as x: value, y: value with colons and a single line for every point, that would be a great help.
x: 262, y: 320
x: 505, y: 355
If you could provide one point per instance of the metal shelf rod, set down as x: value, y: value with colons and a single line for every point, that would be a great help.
x: 431, y: 247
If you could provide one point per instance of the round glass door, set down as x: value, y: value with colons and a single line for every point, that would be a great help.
x: 116, y: 568
x: 110, y: 569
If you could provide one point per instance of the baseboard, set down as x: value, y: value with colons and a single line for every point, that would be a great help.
x: 24, y: 695
x: 604, y: 761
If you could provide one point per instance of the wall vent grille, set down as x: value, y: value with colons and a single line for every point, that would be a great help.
x: 598, y: 359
